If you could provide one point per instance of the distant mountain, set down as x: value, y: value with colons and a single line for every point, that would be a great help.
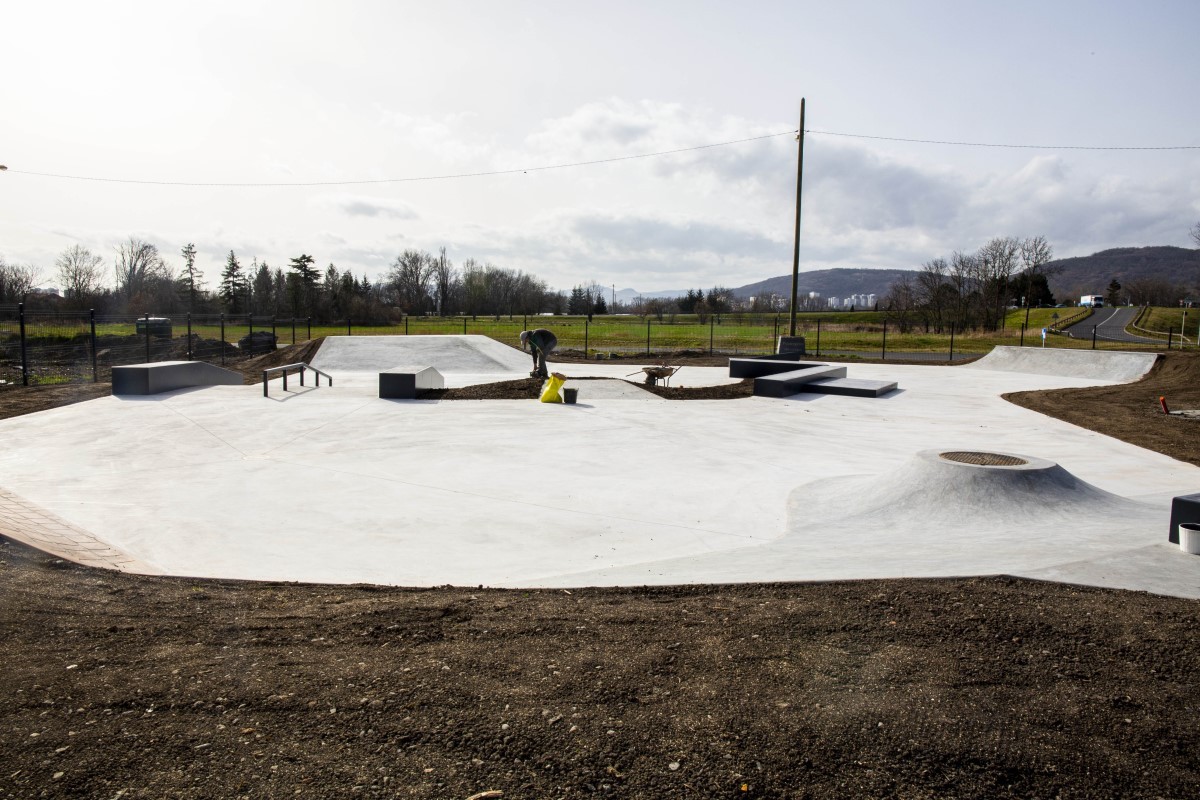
x: 628, y: 295
x: 1092, y: 274
x: 1080, y: 275
x: 840, y: 282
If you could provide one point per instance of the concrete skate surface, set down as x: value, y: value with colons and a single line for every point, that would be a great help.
x: 336, y: 485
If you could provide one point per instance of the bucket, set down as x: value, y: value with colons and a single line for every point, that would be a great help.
x: 1189, y: 537
x: 570, y: 395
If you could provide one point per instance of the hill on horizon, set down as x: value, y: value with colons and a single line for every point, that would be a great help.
x: 1091, y: 274
x: 837, y: 282
x: 1079, y: 275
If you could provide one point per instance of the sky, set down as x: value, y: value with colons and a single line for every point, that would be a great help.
x: 159, y: 98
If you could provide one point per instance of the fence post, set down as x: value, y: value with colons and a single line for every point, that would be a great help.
x: 274, y: 338
x: 647, y: 337
x: 222, y: 339
x: 146, y: 316
x: 309, y: 321
x: 775, y: 335
x: 1022, y: 334
x: 249, y: 324
x: 406, y: 325
x: 189, y: 322
x: 883, y: 355
x: 1168, y: 341
x: 818, y: 337
x: 952, y: 342
x: 92, y: 320
x: 24, y: 348
x: 464, y: 326
x: 710, y: 332
x: 586, y: 325
x: 347, y: 324
x: 1094, y: 339
x: 293, y: 330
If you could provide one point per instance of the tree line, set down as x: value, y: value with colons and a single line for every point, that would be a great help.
x: 139, y: 279
x: 973, y: 290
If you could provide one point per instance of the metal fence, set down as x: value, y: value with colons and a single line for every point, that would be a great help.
x: 54, y: 347
x: 48, y: 347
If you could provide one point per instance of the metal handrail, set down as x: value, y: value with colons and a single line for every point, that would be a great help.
x: 299, y: 365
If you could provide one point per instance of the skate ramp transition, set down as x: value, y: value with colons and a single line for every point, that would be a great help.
x: 1105, y: 365
x: 449, y: 355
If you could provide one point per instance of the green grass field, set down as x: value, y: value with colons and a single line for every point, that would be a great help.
x: 1158, y: 320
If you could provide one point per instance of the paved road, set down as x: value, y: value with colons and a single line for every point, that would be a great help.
x: 1110, y: 324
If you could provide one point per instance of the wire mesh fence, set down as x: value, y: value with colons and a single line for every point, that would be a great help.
x: 48, y: 347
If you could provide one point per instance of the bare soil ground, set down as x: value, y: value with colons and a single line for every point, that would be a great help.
x: 1131, y: 411
x: 146, y: 687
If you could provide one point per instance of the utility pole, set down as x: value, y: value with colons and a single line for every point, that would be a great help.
x: 799, y: 186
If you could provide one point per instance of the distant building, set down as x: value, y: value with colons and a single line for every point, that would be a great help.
x: 834, y: 302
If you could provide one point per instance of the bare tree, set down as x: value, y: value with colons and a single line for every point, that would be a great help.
x: 930, y: 290
x: 79, y: 274
x: 138, y: 265
x: 445, y: 283
x: 16, y: 280
x: 998, y: 262
x: 409, y: 277
x: 901, y: 301
x: 1195, y: 234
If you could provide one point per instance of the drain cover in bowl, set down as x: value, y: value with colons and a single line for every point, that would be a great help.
x: 983, y: 459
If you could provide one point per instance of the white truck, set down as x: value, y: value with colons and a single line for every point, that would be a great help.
x: 1093, y: 300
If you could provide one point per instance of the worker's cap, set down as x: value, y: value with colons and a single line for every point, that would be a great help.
x: 524, y: 336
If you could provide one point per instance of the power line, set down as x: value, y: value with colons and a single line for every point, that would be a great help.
x: 454, y: 176
x: 593, y: 162
x: 993, y: 144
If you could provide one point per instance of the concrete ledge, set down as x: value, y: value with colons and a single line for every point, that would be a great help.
x: 756, y: 366
x: 403, y: 383
x: 786, y: 384
x: 166, y: 376
x: 849, y: 387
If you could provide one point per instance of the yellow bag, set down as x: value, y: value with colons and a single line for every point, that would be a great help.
x: 551, y: 395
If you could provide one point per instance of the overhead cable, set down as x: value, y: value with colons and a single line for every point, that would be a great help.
x: 454, y: 176
x: 995, y: 144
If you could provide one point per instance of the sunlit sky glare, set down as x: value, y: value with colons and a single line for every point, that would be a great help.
x: 260, y: 92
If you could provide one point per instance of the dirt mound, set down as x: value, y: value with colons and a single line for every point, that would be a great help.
x: 1130, y: 411
x: 252, y: 368
x: 16, y: 400
x: 531, y: 389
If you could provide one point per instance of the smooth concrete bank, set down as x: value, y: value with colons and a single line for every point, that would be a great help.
x: 334, y: 484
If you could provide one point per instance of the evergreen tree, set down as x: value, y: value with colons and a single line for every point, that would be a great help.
x: 302, y: 283
x: 578, y: 302
x: 600, y: 306
x: 231, y: 285
x: 263, y: 290
x: 1113, y: 295
x: 189, y: 281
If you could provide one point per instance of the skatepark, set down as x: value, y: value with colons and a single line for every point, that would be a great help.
x: 336, y: 485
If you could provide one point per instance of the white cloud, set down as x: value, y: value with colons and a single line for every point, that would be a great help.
x: 367, y: 206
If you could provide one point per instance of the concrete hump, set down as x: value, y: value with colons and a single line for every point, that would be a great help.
x: 1105, y: 365
x: 963, y: 491
x: 449, y: 355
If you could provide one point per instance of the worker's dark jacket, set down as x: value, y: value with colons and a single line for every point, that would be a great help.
x: 542, y: 340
